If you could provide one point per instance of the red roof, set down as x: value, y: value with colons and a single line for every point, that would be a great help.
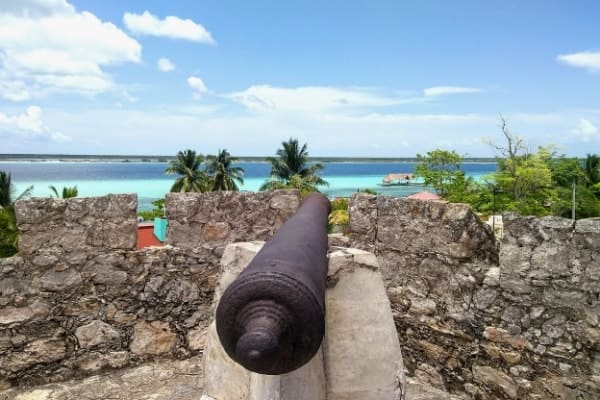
x: 424, y: 196
x: 145, y: 237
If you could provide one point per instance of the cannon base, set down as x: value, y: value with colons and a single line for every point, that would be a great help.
x: 360, y: 357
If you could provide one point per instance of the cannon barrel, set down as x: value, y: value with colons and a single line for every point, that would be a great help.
x: 271, y: 319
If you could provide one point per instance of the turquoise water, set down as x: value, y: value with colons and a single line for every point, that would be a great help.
x: 149, y: 182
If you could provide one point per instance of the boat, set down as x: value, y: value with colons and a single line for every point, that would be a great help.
x: 397, y: 179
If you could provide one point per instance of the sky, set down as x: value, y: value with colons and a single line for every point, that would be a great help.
x: 353, y: 78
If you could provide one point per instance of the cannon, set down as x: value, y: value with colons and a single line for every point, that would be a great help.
x: 271, y: 319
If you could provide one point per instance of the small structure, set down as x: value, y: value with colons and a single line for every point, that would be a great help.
x: 146, y: 237
x: 397, y: 179
x: 424, y: 196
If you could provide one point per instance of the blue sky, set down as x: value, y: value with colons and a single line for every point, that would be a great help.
x: 351, y: 78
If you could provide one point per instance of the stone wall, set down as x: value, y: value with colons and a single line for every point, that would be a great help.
x: 518, y: 320
x: 221, y: 218
x: 80, y: 298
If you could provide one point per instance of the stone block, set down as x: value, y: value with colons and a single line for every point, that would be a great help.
x: 496, y: 380
x: 152, y: 338
x: 96, y: 333
x: 361, y: 348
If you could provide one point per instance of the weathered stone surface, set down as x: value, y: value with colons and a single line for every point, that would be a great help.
x: 196, y: 338
x: 496, y: 379
x: 10, y: 315
x: 152, y: 338
x: 39, y: 351
x: 95, y: 362
x: 500, y: 335
x: 57, y: 281
x: 77, y: 224
x: 95, y: 333
x: 220, y: 218
x: 361, y: 348
x: 166, y: 380
x: 530, y: 307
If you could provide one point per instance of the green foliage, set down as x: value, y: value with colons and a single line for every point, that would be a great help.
x: 368, y: 191
x: 305, y: 185
x: 67, y: 192
x: 339, y: 217
x: 218, y: 173
x: 157, y: 212
x: 586, y: 203
x: 439, y: 168
x: 9, y: 234
x: 223, y: 173
x: 591, y: 168
x: 190, y: 177
x: 291, y: 169
x: 339, y: 203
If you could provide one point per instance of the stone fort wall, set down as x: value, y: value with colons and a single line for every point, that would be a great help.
x: 80, y: 298
x: 518, y: 320
x: 481, y: 320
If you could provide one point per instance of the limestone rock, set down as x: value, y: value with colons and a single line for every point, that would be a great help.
x: 196, y: 338
x: 152, y: 338
x: 496, y: 379
x: 95, y: 362
x: 9, y: 315
x: 57, y: 281
x: 95, y: 333
x: 500, y: 335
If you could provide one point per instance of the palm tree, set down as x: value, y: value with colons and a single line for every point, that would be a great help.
x: 67, y: 192
x: 7, y: 191
x: 292, y: 162
x: 191, y: 177
x: 9, y: 234
x: 222, y: 172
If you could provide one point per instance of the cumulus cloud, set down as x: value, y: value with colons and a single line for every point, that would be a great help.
x: 50, y: 47
x: 589, y: 60
x: 197, y: 86
x: 33, y: 8
x: 310, y: 98
x: 165, y: 65
x: 444, y: 90
x: 585, y: 130
x: 171, y: 27
x: 29, y: 124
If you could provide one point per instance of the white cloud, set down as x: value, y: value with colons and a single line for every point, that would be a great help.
x: 589, y: 60
x: 310, y: 98
x: 171, y: 27
x: 28, y: 124
x: 197, y: 86
x: 165, y: 65
x: 58, y: 51
x: 33, y: 8
x: 444, y: 90
x: 585, y: 130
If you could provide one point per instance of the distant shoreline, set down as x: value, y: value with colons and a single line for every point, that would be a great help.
x: 155, y: 158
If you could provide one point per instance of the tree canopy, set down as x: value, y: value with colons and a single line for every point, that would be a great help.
x: 291, y: 169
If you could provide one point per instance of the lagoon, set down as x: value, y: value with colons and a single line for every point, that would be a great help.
x: 148, y: 180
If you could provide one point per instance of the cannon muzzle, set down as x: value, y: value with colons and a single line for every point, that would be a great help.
x: 271, y: 319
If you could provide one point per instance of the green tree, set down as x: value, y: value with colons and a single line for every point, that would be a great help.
x: 67, y: 192
x: 291, y: 169
x: 9, y: 234
x: 591, y: 168
x: 224, y: 175
x: 191, y: 178
x: 528, y: 180
x: 440, y: 169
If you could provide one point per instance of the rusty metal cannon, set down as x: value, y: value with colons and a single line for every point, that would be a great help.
x: 271, y: 319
